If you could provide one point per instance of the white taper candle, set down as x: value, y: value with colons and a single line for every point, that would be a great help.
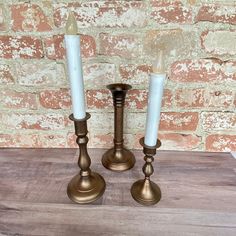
x: 74, y: 65
x: 156, y: 86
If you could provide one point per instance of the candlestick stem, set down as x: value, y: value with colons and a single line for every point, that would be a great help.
x: 118, y: 158
x: 118, y: 141
x: 145, y: 191
x: 87, y: 186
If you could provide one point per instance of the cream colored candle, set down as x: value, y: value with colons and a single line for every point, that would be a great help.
x: 74, y: 65
x: 156, y: 86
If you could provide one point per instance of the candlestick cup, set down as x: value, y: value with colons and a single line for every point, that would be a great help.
x: 118, y: 158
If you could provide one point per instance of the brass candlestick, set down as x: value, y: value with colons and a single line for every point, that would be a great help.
x: 87, y: 186
x: 118, y: 158
x: 145, y: 191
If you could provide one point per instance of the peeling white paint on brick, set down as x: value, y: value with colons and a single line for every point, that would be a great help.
x: 38, y: 73
x: 220, y: 42
x: 103, y: 14
x: 216, y: 121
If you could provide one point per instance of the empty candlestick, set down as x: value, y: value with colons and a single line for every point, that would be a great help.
x: 118, y: 158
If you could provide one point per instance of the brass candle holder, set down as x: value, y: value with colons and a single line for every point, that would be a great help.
x: 118, y: 158
x: 87, y: 186
x: 145, y: 191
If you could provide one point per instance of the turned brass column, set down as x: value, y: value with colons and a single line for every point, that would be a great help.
x: 86, y: 186
x: 145, y: 191
x: 118, y: 158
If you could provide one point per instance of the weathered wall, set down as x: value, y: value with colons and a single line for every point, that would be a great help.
x: 120, y: 40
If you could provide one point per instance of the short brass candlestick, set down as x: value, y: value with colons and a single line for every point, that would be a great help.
x: 87, y: 186
x: 145, y: 191
x: 118, y: 158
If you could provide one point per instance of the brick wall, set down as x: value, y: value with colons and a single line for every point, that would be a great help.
x: 120, y: 40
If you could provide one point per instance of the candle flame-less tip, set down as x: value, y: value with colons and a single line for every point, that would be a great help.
x: 158, y: 65
x: 71, y: 25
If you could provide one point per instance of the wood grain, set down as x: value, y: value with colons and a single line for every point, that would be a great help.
x: 199, y: 195
x: 64, y: 219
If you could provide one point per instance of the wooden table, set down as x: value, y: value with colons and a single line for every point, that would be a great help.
x: 198, y: 195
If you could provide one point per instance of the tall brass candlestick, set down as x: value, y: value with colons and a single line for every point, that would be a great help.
x: 118, y: 158
x: 145, y: 191
x: 87, y: 186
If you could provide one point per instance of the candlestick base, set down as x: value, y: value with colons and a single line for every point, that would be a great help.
x: 86, y: 189
x: 118, y: 160
x: 146, y: 192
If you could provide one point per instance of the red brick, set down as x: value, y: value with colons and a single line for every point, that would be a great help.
x: 71, y: 140
x: 174, y: 42
x: 20, y: 47
x: 174, y: 141
x: 190, y: 98
x: 219, y: 42
x: 138, y: 136
x: 98, y: 140
x: 99, y: 74
x: 40, y: 73
x: 48, y: 121
x: 3, y: 20
x: 32, y: 140
x: 55, y: 99
x: 178, y: 141
x: 101, y: 140
x: 179, y: 121
x: 123, y: 45
x: 88, y: 46
x: 197, y: 98
x: 221, y: 143
x: 29, y: 17
x: 136, y: 99
x: 99, y: 99
x: 55, y: 48
x: 217, y: 13
x: 6, y: 74
x: 52, y: 141
x: 129, y: 140
x: 202, y: 70
x: 134, y: 121
x: 135, y: 74
x: 14, y: 99
x: 167, y: 100
x: 101, y: 122
x: 140, y: 74
x: 219, y: 98
x: 19, y: 140
x: 218, y: 121
x: 102, y: 14
x: 170, y: 12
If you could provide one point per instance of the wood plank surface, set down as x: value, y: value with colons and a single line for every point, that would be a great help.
x: 64, y: 219
x: 198, y: 195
